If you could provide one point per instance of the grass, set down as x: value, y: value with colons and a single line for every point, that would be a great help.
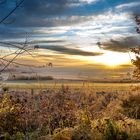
x: 72, y: 84
x: 65, y: 113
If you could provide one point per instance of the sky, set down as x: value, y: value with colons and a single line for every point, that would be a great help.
x: 82, y: 38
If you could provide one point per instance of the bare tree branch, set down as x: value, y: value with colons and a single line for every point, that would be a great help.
x: 13, y: 62
x: 14, y: 57
x: 11, y: 12
x: 21, y: 48
x: 15, y: 46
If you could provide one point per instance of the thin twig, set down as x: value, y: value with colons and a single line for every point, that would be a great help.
x: 11, y: 12
x: 18, y: 63
x: 15, y: 46
x: 14, y: 57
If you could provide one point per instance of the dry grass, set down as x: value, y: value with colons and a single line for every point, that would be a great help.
x: 69, y: 114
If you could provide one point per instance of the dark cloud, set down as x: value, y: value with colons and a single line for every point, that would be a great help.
x: 57, y: 48
x: 45, y: 7
x: 44, y: 13
x: 123, y: 44
x: 70, y: 51
x: 52, y: 13
x: 19, y: 44
x: 51, y: 21
x: 40, y: 41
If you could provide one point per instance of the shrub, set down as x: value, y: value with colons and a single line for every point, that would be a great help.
x: 112, y: 131
x: 84, y: 131
x: 65, y: 134
x: 5, y: 89
x: 131, y: 106
x: 19, y: 136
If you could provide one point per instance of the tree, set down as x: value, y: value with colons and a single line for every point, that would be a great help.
x: 19, y: 48
x: 136, y: 51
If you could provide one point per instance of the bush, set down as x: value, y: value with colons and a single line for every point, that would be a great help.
x: 84, y: 131
x: 131, y: 106
x: 65, y: 134
x: 112, y: 132
x: 19, y: 136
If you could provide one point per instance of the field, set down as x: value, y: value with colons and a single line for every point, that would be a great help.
x: 70, y: 111
x: 55, y: 84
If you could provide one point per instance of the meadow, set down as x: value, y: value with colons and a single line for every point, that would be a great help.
x: 55, y: 84
x: 72, y: 111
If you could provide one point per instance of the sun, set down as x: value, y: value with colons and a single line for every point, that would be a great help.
x: 109, y: 59
x: 113, y: 59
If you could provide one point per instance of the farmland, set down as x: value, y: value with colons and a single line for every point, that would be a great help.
x: 30, y: 84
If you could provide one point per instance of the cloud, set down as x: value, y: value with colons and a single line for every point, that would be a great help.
x: 122, y: 44
x: 51, y: 13
x: 88, y: 22
x: 45, y: 13
x: 19, y: 44
x: 69, y: 51
x: 88, y: 1
x: 130, y: 7
x: 41, y: 41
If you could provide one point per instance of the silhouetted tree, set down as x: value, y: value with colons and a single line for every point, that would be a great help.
x: 21, y: 48
x: 136, y: 51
